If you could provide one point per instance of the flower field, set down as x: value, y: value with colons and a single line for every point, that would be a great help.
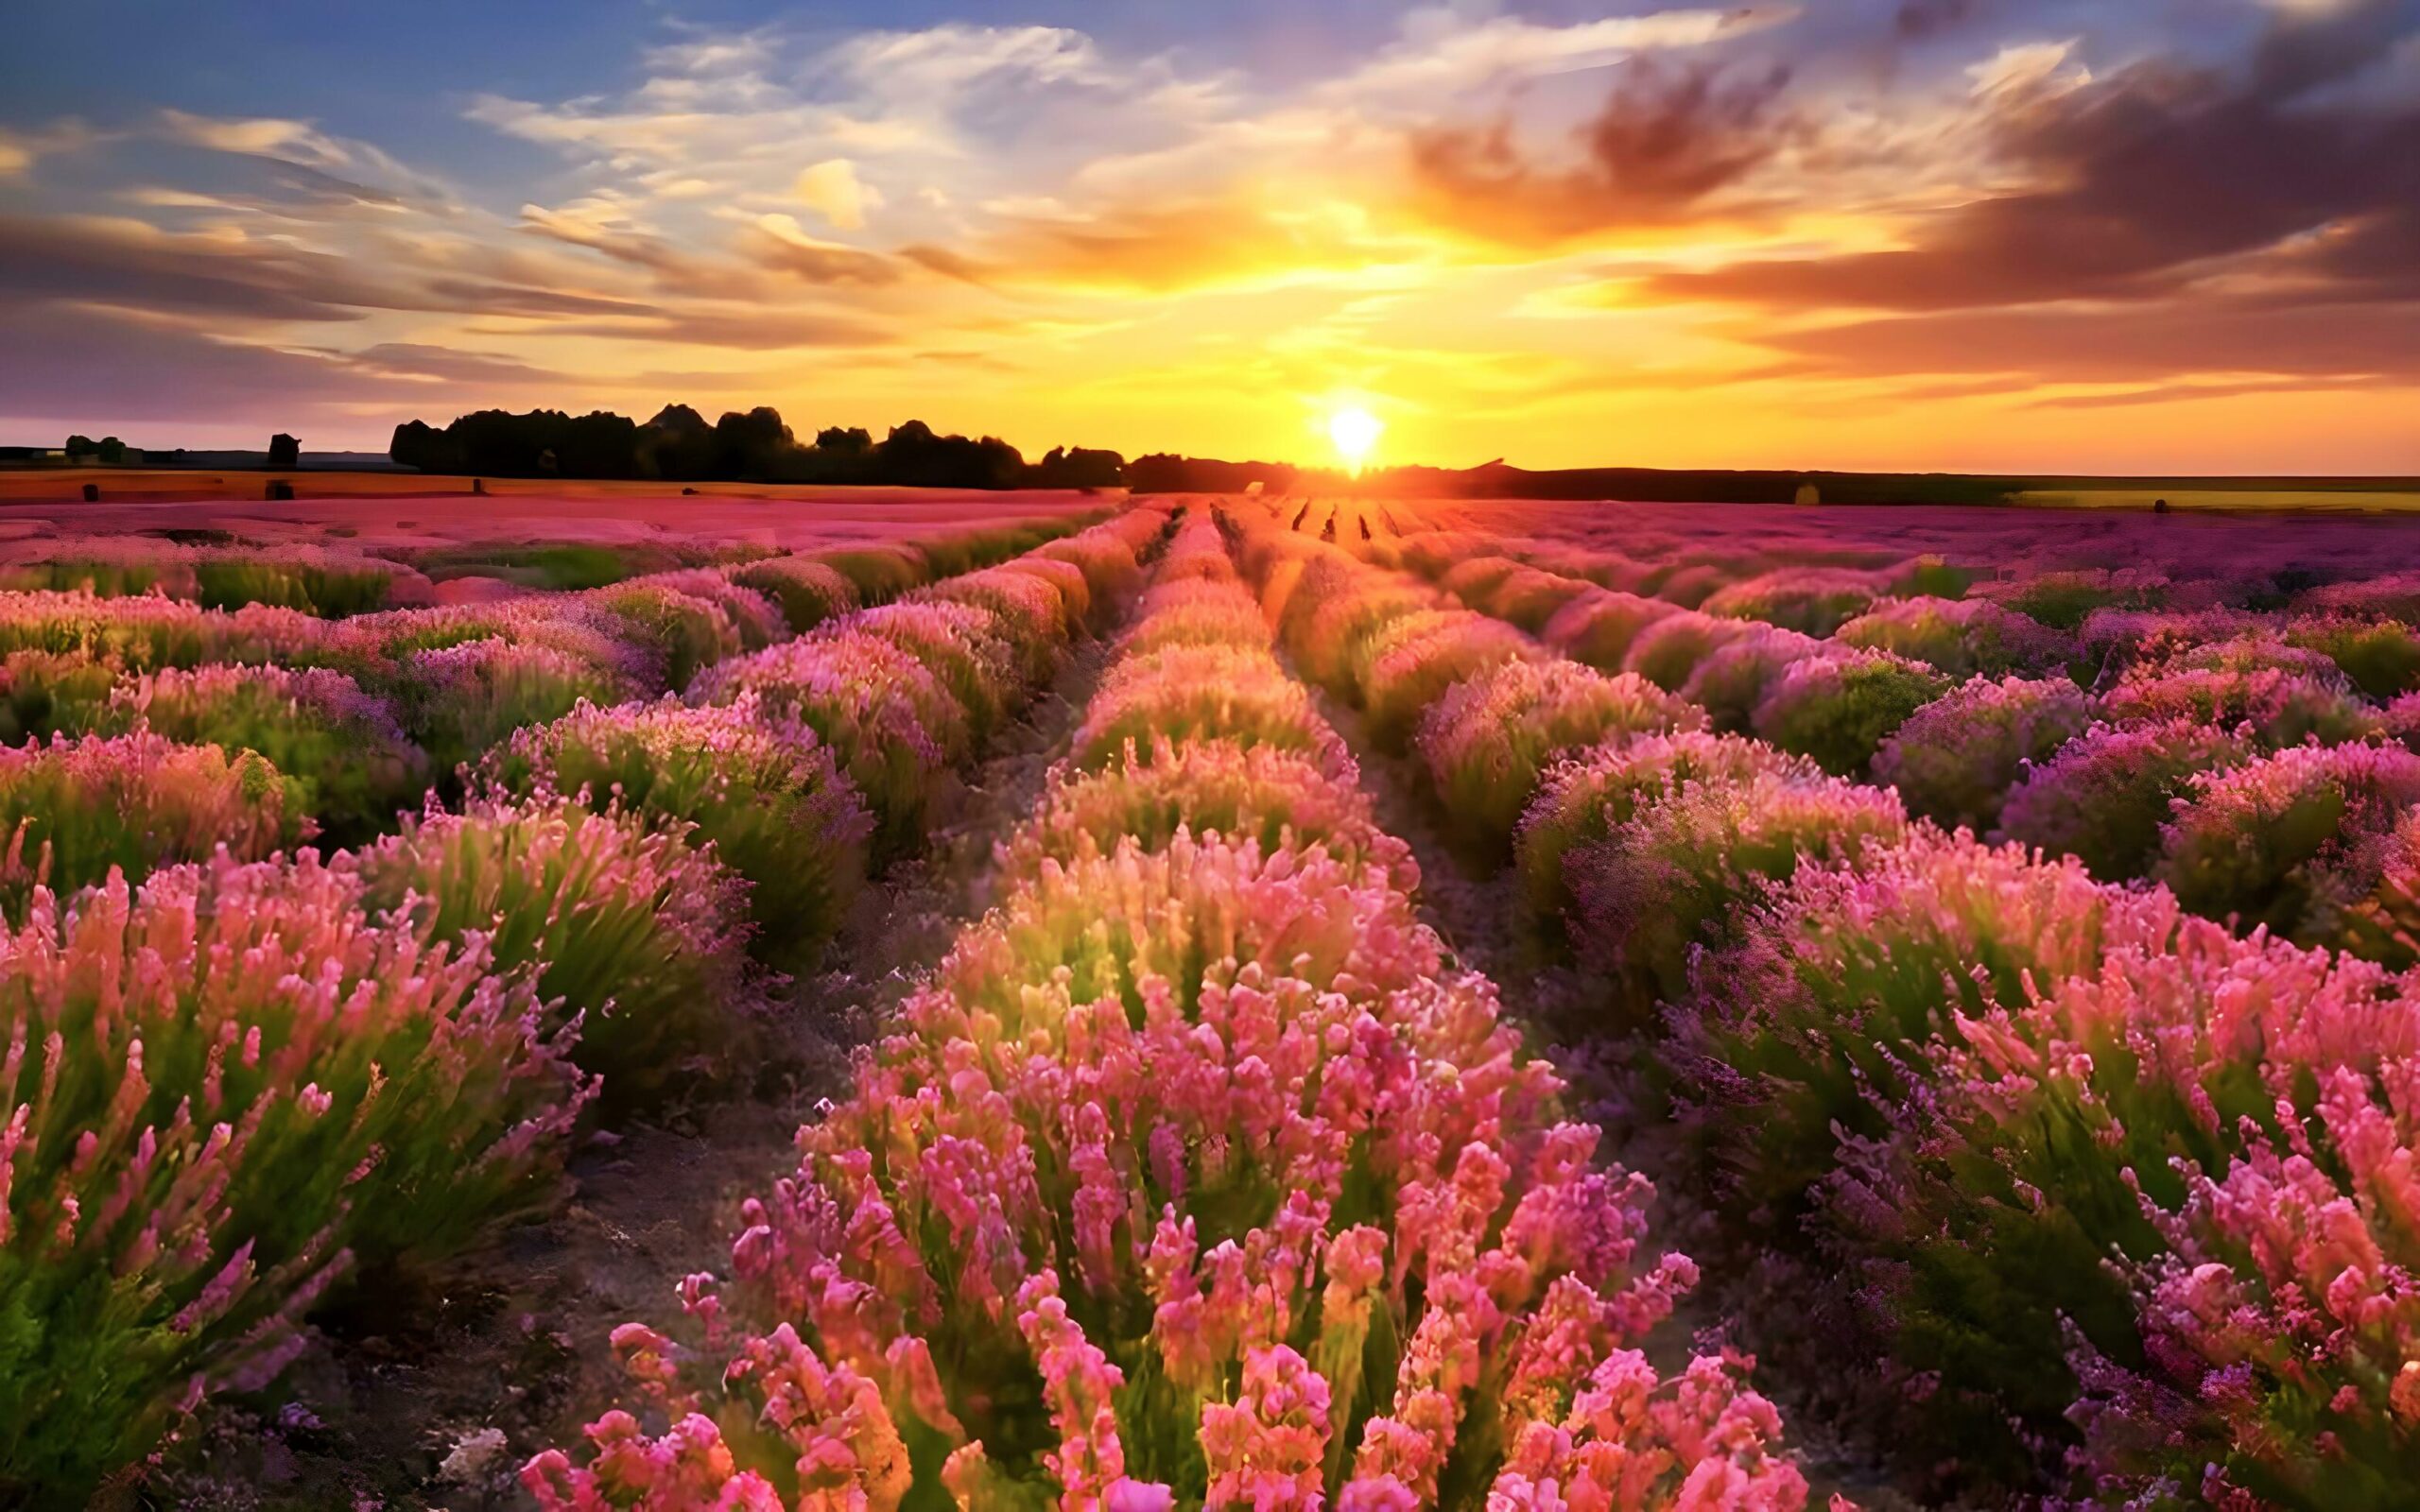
x: 1481, y: 1009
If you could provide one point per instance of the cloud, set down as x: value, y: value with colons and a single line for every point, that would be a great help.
x: 777, y: 242
x: 918, y: 69
x: 1142, y: 246
x: 738, y: 328
x: 312, y: 161
x: 2139, y: 185
x: 1922, y: 20
x: 75, y: 365
x: 128, y: 263
x: 2119, y: 344
x: 833, y: 190
x: 433, y: 364
x: 1443, y: 52
x: 1668, y: 138
x: 20, y: 150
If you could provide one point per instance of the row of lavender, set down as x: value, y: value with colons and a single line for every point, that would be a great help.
x: 336, y: 582
x: 2097, y: 1198
x: 1195, y: 1175
x: 2171, y: 744
x: 348, y: 722
x: 233, y: 1085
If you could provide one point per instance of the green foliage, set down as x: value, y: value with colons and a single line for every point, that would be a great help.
x: 631, y: 934
x: 1839, y: 709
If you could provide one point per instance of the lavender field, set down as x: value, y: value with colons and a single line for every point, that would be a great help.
x: 1215, y: 1002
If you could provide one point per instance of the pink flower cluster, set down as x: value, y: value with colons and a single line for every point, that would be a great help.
x: 1195, y: 1175
x: 224, y: 1087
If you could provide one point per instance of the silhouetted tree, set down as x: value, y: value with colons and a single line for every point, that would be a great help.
x: 419, y: 446
x: 678, y: 445
x: 285, y: 451
x: 753, y: 445
x: 1081, y: 468
x: 912, y: 455
x: 112, y: 451
x: 79, y: 446
x: 854, y: 442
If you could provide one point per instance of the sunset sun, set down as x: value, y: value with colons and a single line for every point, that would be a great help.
x: 1354, y: 431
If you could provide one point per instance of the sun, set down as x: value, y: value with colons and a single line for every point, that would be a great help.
x: 1354, y: 431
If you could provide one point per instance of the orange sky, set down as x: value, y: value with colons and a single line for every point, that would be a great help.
x: 1984, y: 235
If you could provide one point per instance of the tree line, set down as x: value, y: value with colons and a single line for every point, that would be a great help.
x: 757, y: 446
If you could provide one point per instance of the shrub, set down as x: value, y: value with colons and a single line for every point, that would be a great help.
x: 459, y: 701
x: 808, y: 592
x: 2113, y: 639
x: 1838, y: 710
x: 2274, y: 708
x: 686, y: 633
x: 1336, y: 615
x: 1082, y: 607
x: 1196, y: 613
x: 379, y: 647
x: 1804, y: 1033
x: 1475, y: 579
x: 2384, y: 925
x: 2105, y: 795
x: 1106, y: 554
x: 2066, y: 1138
x: 229, y: 1085
x: 314, y: 582
x: 1955, y: 760
x: 1530, y: 598
x: 2381, y: 595
x: 878, y: 572
x: 1278, y: 798
x: 1201, y: 692
x: 890, y: 724
x: 1675, y: 876
x: 1735, y: 676
x: 1486, y: 742
x: 1966, y: 638
x: 1811, y: 600
x: 634, y: 936
x: 1669, y: 652
x: 143, y: 633
x: 966, y: 551
x: 347, y: 764
x: 759, y: 787
x: 2381, y: 657
x: 2289, y: 840
x: 43, y: 692
x: 1686, y: 584
x: 1600, y: 628
x: 104, y: 567
x: 756, y: 618
x: 2278, y: 1335
x: 2063, y: 600
x: 961, y: 646
x: 1417, y: 658
x: 1585, y: 798
x: 1930, y: 575
x: 76, y: 808
x: 1028, y: 614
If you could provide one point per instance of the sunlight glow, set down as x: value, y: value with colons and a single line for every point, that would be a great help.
x: 1355, y: 432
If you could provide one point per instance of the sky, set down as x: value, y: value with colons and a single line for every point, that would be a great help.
x: 2037, y: 235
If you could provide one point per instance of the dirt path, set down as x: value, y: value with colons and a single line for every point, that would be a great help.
x: 433, y: 1397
